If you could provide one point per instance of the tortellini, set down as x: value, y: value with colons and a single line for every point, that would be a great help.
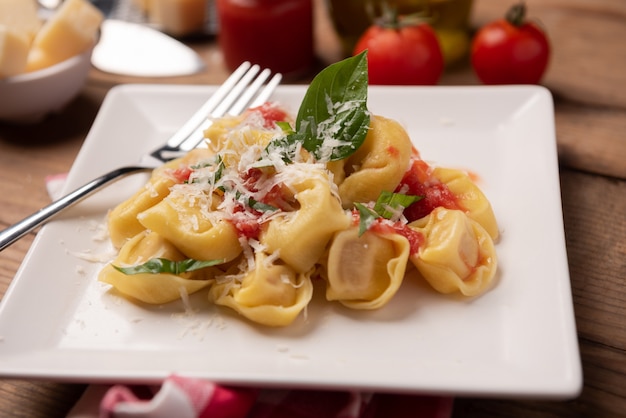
x: 301, y: 236
x: 260, y: 229
x: 365, y: 272
x: 153, y: 288
x: 378, y: 165
x: 181, y: 222
x: 123, y: 222
x: 458, y: 255
x: 224, y: 136
x: 270, y: 294
x: 471, y: 198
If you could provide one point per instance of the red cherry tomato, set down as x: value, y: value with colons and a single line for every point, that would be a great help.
x: 402, y: 54
x: 511, y: 50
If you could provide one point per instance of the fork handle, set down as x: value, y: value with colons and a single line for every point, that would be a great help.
x: 21, y: 228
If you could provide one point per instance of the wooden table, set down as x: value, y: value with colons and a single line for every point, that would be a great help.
x: 587, y: 77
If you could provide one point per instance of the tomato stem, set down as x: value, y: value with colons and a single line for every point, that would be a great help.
x: 516, y: 14
x: 390, y: 18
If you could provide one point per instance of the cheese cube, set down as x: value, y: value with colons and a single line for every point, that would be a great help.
x: 70, y: 31
x: 20, y: 16
x: 13, y: 52
x: 178, y: 17
x: 39, y: 59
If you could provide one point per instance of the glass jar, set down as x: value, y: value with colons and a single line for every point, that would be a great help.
x: 277, y: 34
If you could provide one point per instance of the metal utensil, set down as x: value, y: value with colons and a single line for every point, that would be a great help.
x: 240, y: 91
x: 127, y: 48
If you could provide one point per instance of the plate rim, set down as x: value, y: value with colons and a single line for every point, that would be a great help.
x: 571, y: 385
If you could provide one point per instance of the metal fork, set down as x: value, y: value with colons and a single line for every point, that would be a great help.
x: 239, y: 92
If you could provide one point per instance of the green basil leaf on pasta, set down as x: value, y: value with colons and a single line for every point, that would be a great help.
x: 333, y: 119
x: 163, y: 265
x: 285, y: 126
x: 260, y: 206
x: 390, y: 204
x: 218, y: 170
x: 366, y: 217
x: 254, y: 204
x: 283, y: 146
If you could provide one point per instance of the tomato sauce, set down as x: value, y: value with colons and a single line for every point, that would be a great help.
x: 181, y: 175
x: 271, y: 114
x: 393, y: 151
x: 418, y: 182
x: 277, y: 34
x: 383, y: 226
x: 250, y: 226
x: 249, y: 229
x: 416, y: 239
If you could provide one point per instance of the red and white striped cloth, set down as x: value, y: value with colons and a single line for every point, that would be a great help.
x: 182, y: 397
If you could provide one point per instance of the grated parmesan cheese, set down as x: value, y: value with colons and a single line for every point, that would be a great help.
x: 86, y: 255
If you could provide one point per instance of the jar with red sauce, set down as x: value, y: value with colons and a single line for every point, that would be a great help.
x: 276, y: 34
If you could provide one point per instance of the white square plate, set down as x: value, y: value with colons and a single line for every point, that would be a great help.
x: 58, y: 322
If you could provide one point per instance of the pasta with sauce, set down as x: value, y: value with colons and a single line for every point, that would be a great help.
x: 275, y: 203
x: 271, y: 256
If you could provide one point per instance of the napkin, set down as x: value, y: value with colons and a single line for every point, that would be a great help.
x: 185, y: 397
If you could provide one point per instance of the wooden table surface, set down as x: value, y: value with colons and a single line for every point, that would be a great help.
x: 587, y: 76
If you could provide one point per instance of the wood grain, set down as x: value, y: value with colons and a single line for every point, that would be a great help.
x: 33, y: 399
x: 592, y: 138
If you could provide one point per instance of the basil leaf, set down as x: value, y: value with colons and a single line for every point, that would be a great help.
x: 285, y: 126
x: 284, y: 146
x: 163, y: 265
x: 386, y: 206
x: 260, y: 206
x: 254, y: 204
x: 333, y: 119
x: 366, y: 217
x: 219, y: 172
x: 389, y: 202
x: 335, y: 106
x: 216, y: 175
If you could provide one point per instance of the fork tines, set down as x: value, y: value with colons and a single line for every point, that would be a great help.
x: 246, y: 87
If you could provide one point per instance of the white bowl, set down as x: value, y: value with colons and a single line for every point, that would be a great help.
x: 29, y: 97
